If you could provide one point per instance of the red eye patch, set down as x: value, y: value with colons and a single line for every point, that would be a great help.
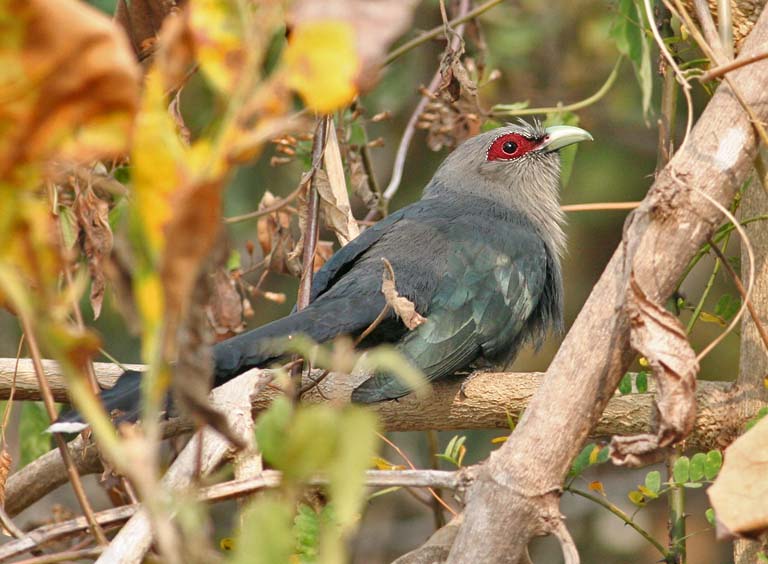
x: 510, y: 146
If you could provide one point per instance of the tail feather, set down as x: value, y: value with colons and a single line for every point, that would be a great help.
x: 321, y: 321
x: 124, y: 397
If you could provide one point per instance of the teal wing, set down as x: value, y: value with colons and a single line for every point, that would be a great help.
x: 480, y: 307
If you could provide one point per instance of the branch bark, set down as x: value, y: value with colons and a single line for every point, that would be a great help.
x: 753, y: 364
x: 517, y: 493
x: 453, y: 480
x: 482, y: 401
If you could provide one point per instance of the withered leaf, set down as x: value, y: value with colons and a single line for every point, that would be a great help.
x: 142, y: 20
x: 453, y: 113
x: 660, y: 338
x: 276, y: 238
x: 332, y: 189
x: 225, y: 307
x: 95, y: 239
x: 402, y: 306
x: 740, y: 491
x: 74, y: 83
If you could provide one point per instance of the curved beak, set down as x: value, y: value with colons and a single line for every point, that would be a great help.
x: 559, y: 136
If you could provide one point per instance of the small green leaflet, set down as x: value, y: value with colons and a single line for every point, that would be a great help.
x: 629, y: 33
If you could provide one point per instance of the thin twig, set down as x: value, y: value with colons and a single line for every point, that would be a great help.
x: 74, y: 477
x: 313, y: 211
x: 684, y: 84
x: 721, y: 70
x: 410, y: 128
x: 503, y: 110
x: 740, y: 287
x: 450, y: 480
x: 438, y: 30
x: 714, y: 50
x: 600, y: 206
x: 623, y: 516
x: 66, y: 556
x: 280, y: 204
x: 409, y: 463
x: 751, y: 255
x: 725, y: 26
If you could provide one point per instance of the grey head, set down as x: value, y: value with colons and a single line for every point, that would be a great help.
x: 516, y: 166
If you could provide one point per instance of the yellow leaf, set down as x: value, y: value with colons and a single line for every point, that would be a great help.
x: 150, y: 303
x: 158, y: 164
x: 709, y: 318
x: 227, y: 543
x: 384, y: 464
x: 597, y: 486
x: 498, y: 440
x: 217, y: 29
x: 322, y: 64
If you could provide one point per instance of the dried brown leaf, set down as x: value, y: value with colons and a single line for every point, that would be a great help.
x: 96, y: 240
x: 334, y: 199
x: 740, y: 491
x: 275, y: 235
x: 661, y: 339
x: 73, y: 81
x: 225, y: 307
x: 142, y: 20
x: 193, y: 231
x: 454, y: 112
x: 403, y: 307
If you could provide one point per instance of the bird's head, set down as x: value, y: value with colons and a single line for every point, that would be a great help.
x: 517, y: 166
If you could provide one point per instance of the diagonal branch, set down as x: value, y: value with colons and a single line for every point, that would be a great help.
x: 659, y: 240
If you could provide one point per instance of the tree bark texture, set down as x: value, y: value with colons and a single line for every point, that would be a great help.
x: 753, y: 364
x: 480, y: 402
x: 517, y: 493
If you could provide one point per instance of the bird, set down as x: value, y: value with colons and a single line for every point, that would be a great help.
x: 478, y: 256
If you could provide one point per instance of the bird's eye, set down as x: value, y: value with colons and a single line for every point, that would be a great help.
x: 509, y: 147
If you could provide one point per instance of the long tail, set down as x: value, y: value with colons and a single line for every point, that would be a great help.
x: 321, y: 321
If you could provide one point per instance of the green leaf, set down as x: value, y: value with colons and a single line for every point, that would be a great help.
x: 698, y: 461
x: 629, y: 33
x: 581, y: 462
x: 306, y: 529
x: 641, y: 382
x: 710, y: 515
x: 355, y: 447
x: 647, y: 493
x: 265, y: 536
x: 713, y: 463
x: 455, y: 450
x: 762, y: 412
x: 681, y: 470
x: 637, y: 498
x: 727, y: 306
x: 653, y: 481
x: 234, y: 261
x: 625, y: 384
x: 33, y: 440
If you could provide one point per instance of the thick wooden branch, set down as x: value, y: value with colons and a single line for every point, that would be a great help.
x: 484, y: 403
x: 517, y: 494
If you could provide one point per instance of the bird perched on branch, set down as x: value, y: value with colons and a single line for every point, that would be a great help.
x: 478, y: 256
